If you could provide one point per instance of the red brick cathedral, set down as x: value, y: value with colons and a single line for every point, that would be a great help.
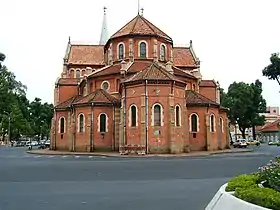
x: 136, y: 93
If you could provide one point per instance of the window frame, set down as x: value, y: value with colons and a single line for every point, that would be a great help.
x: 212, y: 122
x: 146, y: 49
x: 191, y: 123
x: 161, y: 115
x: 100, y: 125
x: 79, y: 123
x: 123, y: 51
x: 64, y: 125
x: 178, y: 115
x: 131, y: 123
x: 163, y: 53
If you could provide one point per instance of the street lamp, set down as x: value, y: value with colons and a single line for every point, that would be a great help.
x: 9, y: 127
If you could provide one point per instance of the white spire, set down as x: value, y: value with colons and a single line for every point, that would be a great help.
x: 104, y: 32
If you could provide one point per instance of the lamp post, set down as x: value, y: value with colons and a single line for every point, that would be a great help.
x: 9, y: 127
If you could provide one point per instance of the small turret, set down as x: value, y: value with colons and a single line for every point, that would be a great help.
x: 168, y: 67
x: 123, y: 68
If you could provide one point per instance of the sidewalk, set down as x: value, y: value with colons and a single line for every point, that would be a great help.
x: 115, y: 154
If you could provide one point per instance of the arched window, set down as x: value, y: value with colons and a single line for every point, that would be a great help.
x: 78, y: 74
x: 212, y: 123
x: 133, y: 115
x: 81, y: 122
x: 157, y: 115
x: 221, y: 124
x: 62, y: 125
x: 121, y: 51
x: 194, y: 123
x: 143, y: 50
x: 177, y: 116
x: 162, y: 52
x: 102, y: 122
x: 193, y: 87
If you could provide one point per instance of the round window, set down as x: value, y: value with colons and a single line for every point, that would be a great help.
x: 105, y: 85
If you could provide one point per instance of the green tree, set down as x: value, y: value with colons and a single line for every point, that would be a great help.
x: 272, y: 71
x: 245, y: 102
x: 259, y: 106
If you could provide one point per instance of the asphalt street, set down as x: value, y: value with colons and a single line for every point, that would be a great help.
x: 37, y: 182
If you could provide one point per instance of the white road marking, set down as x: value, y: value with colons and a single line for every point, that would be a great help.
x: 51, y: 156
x: 37, y: 156
x: 64, y: 156
x: 90, y: 156
x: 77, y: 156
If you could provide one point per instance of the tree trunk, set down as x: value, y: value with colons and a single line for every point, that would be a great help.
x: 243, y: 132
x: 254, y: 132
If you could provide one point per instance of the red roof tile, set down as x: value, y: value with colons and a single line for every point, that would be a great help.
x: 86, y: 54
x: 271, y: 126
x: 183, y: 57
x: 140, y: 26
x: 193, y: 99
x: 180, y: 72
x: 99, y: 96
x: 207, y: 83
x: 68, y: 102
x: 108, y: 70
x: 153, y: 72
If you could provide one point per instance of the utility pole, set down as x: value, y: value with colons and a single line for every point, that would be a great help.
x: 9, y: 126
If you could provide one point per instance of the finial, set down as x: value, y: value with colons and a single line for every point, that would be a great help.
x: 142, y: 11
x: 138, y: 7
x: 104, y: 8
x: 69, y: 39
x: 190, y: 43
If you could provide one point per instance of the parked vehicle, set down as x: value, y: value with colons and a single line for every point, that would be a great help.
x: 276, y: 143
x: 240, y: 143
x: 48, y: 143
x: 253, y: 142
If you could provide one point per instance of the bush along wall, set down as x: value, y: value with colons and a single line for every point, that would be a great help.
x: 261, y: 188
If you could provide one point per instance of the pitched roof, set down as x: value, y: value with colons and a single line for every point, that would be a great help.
x: 68, y: 81
x: 68, y: 102
x: 86, y: 54
x: 140, y: 26
x: 195, y: 99
x: 271, y: 126
x: 153, y: 72
x: 99, y: 96
x: 180, y: 72
x: 107, y: 70
x: 183, y: 57
x: 207, y: 83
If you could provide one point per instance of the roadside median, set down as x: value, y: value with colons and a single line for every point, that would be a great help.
x: 116, y: 154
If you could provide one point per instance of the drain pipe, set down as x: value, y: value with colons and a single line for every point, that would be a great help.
x: 124, y: 116
x: 146, y: 117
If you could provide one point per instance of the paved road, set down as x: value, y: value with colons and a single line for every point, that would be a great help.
x: 37, y: 182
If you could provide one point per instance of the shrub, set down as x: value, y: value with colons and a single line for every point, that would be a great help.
x: 271, y: 174
x: 243, y: 181
x: 264, y: 197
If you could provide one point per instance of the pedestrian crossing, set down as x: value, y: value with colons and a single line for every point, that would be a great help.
x: 50, y: 157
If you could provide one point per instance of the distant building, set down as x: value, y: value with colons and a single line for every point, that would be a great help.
x: 270, y: 131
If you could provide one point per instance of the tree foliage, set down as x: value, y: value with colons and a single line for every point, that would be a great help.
x: 28, y: 119
x: 245, y: 103
x: 272, y: 71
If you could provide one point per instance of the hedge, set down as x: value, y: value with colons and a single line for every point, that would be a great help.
x: 246, y: 188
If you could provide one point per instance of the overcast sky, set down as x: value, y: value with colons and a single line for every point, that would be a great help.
x: 232, y: 38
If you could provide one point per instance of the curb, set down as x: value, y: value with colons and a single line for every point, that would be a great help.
x: 45, y: 152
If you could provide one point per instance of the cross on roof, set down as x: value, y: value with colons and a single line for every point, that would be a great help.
x: 142, y: 11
